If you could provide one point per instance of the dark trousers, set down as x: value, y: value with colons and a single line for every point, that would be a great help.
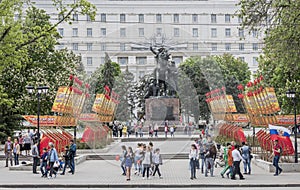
x: 193, y: 164
x: 43, y: 168
x: 146, y: 169
x: 52, y: 169
x: 156, y: 169
x: 35, y: 163
x: 237, y: 170
x: 72, y: 164
x: 8, y: 156
x: 16, y: 158
x: 275, y: 163
x: 68, y: 163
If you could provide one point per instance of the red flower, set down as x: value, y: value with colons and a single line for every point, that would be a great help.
x: 240, y: 87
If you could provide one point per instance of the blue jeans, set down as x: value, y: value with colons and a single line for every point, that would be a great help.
x: 43, y: 168
x: 72, y: 165
x: 67, y: 163
x: 16, y: 158
x: 275, y: 163
x: 193, y: 168
x: 247, y: 163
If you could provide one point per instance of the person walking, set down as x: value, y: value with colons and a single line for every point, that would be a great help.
x: 210, y: 156
x: 246, y: 155
x: 225, y: 157
x: 276, y: 157
x: 157, y: 160
x: 53, y: 157
x: 129, y: 158
x: 8, y: 147
x: 27, y: 144
x: 67, y: 159
x: 193, y: 156
x: 16, y: 151
x: 237, y: 158
x: 137, y: 157
x: 123, y: 158
x: 36, y: 156
x: 147, y: 161
x: 172, y: 130
x: 156, y: 130
x: 44, y: 159
x: 72, y: 154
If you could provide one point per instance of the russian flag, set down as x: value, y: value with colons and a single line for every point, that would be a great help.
x: 282, y: 134
x: 279, y: 130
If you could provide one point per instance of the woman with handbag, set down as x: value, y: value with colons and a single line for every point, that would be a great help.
x: 53, y: 160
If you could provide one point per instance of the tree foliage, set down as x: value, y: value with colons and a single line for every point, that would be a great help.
x: 280, y: 63
x: 28, y: 57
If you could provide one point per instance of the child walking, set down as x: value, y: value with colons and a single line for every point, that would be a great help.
x: 157, y: 161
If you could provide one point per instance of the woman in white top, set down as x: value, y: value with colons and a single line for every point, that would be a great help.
x: 193, y: 156
x: 147, y: 161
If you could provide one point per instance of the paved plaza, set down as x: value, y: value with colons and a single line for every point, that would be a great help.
x: 175, y: 172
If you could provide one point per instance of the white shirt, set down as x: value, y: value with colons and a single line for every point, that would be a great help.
x: 236, y: 155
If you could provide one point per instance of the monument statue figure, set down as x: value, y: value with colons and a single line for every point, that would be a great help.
x: 161, y: 71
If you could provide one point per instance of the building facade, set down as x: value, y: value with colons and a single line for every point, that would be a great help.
x: 126, y: 29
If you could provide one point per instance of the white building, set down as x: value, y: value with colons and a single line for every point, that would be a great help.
x: 125, y: 29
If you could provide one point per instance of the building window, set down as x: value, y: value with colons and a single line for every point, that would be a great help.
x: 103, y: 47
x: 89, y: 73
x: 88, y: 18
x: 227, y: 18
x: 75, y: 17
x: 89, y: 61
x: 227, y: 46
x: 61, y: 46
x: 123, y: 60
x: 75, y: 32
x: 213, y: 18
x: 141, y: 74
x: 75, y: 46
x: 158, y: 18
x: 103, y: 31
x: 122, y: 18
x: 195, y: 32
x: 241, y: 46
x: 60, y: 17
x: 122, y: 47
x: 158, y: 31
x: 176, y: 18
x: 213, y: 32
x: 195, y: 18
x: 240, y: 19
x: 103, y: 17
x: 102, y: 60
x: 89, y: 32
x: 255, y: 46
x: 254, y: 33
x: 227, y: 32
x: 177, y: 59
x: 241, y: 33
x: 141, y: 18
x: 254, y: 61
x: 195, y: 47
x: 141, y: 60
x: 176, y: 32
x: 214, y: 47
x: 141, y: 32
x: 61, y: 32
x: 242, y: 59
x: 122, y: 32
x: 89, y: 46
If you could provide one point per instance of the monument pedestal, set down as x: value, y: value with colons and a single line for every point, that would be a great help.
x: 162, y: 108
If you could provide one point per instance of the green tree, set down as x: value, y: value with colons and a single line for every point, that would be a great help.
x: 123, y: 86
x: 280, y: 63
x: 28, y: 56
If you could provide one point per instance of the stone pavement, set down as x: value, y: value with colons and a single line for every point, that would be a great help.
x: 107, y: 174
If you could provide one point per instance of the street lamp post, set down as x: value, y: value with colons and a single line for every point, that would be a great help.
x: 292, y: 94
x: 39, y: 90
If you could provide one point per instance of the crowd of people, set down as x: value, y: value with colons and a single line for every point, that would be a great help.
x: 49, y: 161
x: 210, y: 155
x: 145, y: 158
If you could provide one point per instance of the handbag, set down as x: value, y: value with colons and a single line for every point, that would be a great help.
x: 56, y: 164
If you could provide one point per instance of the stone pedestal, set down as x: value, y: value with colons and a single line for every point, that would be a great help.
x: 162, y: 108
